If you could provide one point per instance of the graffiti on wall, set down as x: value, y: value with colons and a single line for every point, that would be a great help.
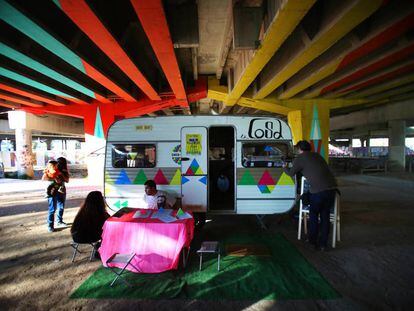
x: 25, y: 157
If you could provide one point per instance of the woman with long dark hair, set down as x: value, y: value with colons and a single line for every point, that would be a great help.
x: 88, y: 223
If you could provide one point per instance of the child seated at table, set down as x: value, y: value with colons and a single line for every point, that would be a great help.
x: 155, y: 199
x: 88, y: 223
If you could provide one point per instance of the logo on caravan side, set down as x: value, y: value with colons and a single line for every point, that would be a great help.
x: 265, y: 129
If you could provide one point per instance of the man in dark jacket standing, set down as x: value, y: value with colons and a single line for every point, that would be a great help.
x: 322, y: 188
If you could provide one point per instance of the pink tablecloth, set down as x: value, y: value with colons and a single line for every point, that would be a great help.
x: 157, y: 245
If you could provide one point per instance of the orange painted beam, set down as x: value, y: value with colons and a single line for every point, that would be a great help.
x: 152, y: 17
x: 82, y: 15
x: 20, y: 100
x: 99, y: 77
x: 119, y: 108
x: 30, y: 95
x: 145, y: 109
x: 75, y: 111
x: 8, y: 104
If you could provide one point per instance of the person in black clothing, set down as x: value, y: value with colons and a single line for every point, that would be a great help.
x: 88, y: 223
x: 323, y: 187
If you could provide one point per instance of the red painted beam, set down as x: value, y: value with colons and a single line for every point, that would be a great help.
x: 82, y: 15
x: 386, y: 36
x: 389, y: 34
x: 199, y: 91
x: 382, y: 63
x: 152, y: 17
x: 376, y: 80
x: 30, y: 95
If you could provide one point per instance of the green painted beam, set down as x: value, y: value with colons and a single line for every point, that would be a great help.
x: 17, y: 77
x: 18, y: 20
x: 35, y: 65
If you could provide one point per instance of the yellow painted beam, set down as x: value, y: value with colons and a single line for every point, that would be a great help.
x: 317, y: 89
x: 263, y: 105
x: 283, y: 107
x: 342, y: 91
x: 217, y: 91
x: 314, y: 77
x: 331, y: 103
x: 353, y: 14
x: 295, y: 124
x: 319, y: 71
x: 284, y: 22
x: 382, y: 87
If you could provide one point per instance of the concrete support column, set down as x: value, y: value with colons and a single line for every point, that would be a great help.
x: 24, y: 153
x: 396, y: 149
x: 18, y: 120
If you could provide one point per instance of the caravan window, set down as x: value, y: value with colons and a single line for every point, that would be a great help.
x: 264, y: 154
x: 133, y: 155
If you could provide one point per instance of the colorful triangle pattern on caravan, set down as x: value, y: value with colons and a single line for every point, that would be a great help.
x: 266, y: 183
x: 194, y: 169
x: 285, y: 180
x: 247, y: 179
x: 160, y: 178
x: 141, y: 178
x: 176, y: 180
x: 123, y: 178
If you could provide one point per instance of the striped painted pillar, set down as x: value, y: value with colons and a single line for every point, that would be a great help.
x: 97, y: 120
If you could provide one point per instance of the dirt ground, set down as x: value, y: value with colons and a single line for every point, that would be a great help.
x: 372, y: 268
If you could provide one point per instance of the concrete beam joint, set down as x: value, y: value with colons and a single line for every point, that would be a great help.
x: 49, y: 124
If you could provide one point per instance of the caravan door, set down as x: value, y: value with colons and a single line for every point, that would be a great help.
x: 194, y: 155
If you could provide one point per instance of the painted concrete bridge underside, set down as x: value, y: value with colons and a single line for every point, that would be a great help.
x: 305, y: 60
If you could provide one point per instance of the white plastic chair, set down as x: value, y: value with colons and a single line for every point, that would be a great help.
x: 334, y: 216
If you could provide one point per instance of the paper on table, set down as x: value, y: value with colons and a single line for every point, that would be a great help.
x: 166, y: 218
x: 142, y: 214
x: 161, y: 212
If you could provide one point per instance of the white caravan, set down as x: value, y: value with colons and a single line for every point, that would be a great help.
x: 213, y: 164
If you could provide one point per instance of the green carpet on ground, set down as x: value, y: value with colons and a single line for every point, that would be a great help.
x: 284, y: 275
